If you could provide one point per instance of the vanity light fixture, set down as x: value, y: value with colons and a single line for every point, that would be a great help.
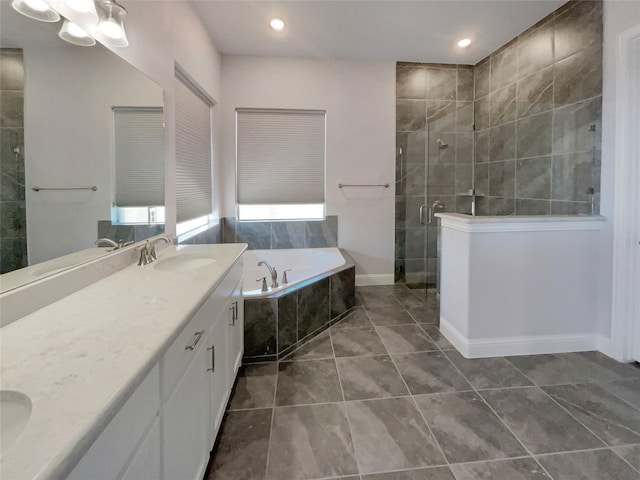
x: 112, y: 25
x: 87, y: 7
x: 277, y: 24
x: 464, y: 43
x: 72, y: 33
x: 35, y: 9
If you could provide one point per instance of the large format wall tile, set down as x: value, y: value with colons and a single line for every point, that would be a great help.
x: 255, y: 234
x: 287, y: 235
x: 465, y: 83
x: 343, y: 294
x: 321, y: 233
x: 504, y: 67
x: 534, y: 135
x: 572, y: 127
x: 313, y: 307
x: 411, y: 115
x: 533, y: 178
x: 577, y: 28
x: 260, y: 327
x: 535, y: 93
x: 503, y: 105
x: 578, y: 77
x: 411, y: 82
x: 535, y: 49
x: 573, y: 175
x: 482, y: 78
x: 441, y: 83
x: 502, y: 141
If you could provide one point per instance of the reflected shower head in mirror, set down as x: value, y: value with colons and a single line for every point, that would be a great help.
x: 441, y: 144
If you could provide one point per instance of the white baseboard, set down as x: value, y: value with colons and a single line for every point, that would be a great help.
x: 364, y: 280
x: 509, y: 346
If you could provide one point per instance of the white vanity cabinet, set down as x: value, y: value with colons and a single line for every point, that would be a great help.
x: 168, y: 426
x: 194, y: 409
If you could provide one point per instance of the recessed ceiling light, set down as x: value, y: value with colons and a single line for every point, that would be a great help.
x: 277, y: 24
x: 464, y: 43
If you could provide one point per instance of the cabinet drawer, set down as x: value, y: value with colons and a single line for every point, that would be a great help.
x: 115, y: 445
x: 178, y: 357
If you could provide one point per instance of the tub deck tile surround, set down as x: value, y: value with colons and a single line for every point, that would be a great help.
x: 278, y: 324
x: 393, y: 418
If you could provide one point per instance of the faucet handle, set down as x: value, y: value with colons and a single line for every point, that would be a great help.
x: 284, y: 276
x: 264, y: 283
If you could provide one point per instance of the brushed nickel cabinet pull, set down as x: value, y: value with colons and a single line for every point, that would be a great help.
x: 195, y: 342
x: 233, y: 314
x: 213, y: 358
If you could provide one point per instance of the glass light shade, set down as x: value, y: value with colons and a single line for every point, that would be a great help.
x: 88, y: 7
x: 36, y: 9
x: 112, y: 26
x: 72, y: 33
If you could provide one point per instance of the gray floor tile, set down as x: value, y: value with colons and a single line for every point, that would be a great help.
x: 538, y: 422
x: 370, y: 377
x: 516, y: 469
x: 255, y: 386
x: 488, y: 372
x: 431, y: 473
x: 579, y: 367
x: 592, y: 465
x: 313, y: 381
x: 389, y: 315
x: 467, y: 429
x: 424, y: 313
x: 611, y: 419
x: 390, y: 434
x: 408, y: 297
x: 317, y: 348
x: 243, y: 445
x: 376, y: 295
x: 405, y: 339
x: 429, y: 372
x: 310, y: 441
x: 627, y: 390
x: 357, y: 341
x: 356, y: 318
x: 438, y: 338
x: 631, y: 453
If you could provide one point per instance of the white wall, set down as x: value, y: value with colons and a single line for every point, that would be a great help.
x: 69, y: 95
x: 619, y: 15
x: 359, y: 98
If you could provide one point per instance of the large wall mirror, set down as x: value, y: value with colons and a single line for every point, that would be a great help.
x: 82, y: 151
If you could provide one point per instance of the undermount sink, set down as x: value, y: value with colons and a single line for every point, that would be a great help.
x: 15, y: 411
x: 184, y: 263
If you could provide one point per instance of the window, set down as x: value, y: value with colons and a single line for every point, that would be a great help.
x: 138, y: 138
x: 194, y: 152
x: 280, y: 158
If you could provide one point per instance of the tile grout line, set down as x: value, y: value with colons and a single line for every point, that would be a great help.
x: 499, y: 418
x: 353, y: 444
x: 415, y: 405
x: 273, y: 414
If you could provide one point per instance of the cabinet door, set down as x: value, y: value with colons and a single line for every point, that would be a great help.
x: 186, y: 421
x: 217, y: 368
x: 146, y: 462
x: 236, y: 333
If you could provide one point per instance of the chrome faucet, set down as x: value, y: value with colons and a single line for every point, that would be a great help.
x: 152, y: 251
x: 148, y: 250
x: 272, y: 272
x: 116, y: 245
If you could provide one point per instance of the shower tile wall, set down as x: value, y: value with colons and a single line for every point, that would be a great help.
x: 538, y: 106
x: 433, y: 101
x: 13, y: 232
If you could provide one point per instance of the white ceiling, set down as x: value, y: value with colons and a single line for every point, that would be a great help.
x: 376, y: 30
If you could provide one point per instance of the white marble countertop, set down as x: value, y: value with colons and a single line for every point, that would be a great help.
x: 79, y: 359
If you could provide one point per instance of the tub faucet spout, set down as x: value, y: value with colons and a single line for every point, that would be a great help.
x: 272, y: 272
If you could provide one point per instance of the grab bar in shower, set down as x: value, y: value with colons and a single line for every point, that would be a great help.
x: 38, y: 189
x: 385, y: 185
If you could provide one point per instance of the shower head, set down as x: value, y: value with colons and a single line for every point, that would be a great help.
x: 441, y: 144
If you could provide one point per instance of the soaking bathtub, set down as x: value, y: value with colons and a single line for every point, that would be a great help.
x: 319, y: 291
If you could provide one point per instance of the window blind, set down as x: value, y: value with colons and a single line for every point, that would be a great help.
x: 193, y: 153
x: 280, y: 156
x: 138, y: 136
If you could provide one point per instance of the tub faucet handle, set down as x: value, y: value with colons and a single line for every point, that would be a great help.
x: 284, y: 276
x: 264, y: 283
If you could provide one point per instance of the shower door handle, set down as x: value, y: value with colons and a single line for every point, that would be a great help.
x: 422, y: 214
